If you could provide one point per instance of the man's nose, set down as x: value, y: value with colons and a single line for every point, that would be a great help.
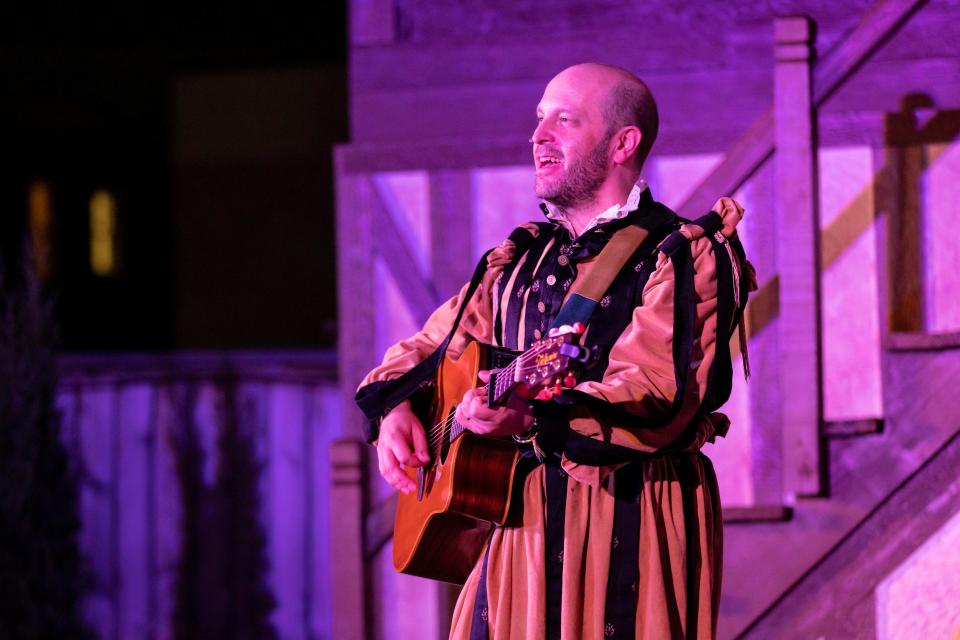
x: 542, y: 133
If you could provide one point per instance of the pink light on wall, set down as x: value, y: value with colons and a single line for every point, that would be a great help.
x: 920, y: 598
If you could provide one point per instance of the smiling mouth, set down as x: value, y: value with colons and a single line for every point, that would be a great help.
x: 546, y: 161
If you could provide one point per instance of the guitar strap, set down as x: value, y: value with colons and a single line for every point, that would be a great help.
x: 587, y: 291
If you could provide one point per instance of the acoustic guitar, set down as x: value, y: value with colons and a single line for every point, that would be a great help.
x: 466, y: 488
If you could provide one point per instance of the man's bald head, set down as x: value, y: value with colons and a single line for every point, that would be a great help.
x: 626, y: 101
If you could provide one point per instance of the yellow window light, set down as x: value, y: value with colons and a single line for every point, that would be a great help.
x: 40, y: 211
x: 103, y: 233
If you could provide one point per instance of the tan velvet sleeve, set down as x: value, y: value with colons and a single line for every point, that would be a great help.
x: 640, y: 376
x: 476, y: 324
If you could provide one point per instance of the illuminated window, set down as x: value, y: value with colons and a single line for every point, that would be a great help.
x: 103, y: 233
x: 39, y: 203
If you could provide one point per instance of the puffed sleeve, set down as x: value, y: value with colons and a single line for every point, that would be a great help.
x: 640, y: 382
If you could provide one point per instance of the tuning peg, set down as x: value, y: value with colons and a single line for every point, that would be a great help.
x: 545, y: 394
x: 576, y: 328
x: 556, y: 389
x: 562, y: 330
x: 569, y: 381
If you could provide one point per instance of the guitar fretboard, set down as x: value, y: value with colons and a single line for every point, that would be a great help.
x: 504, y: 381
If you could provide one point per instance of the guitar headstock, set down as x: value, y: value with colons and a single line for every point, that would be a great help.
x: 544, y: 370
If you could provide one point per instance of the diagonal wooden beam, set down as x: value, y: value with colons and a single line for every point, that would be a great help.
x: 875, y: 28
x: 389, y: 242
x: 877, y: 25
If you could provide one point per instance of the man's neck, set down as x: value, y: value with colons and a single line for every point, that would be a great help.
x: 580, y: 216
x: 612, y: 192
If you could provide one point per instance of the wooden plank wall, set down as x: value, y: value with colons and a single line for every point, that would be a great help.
x: 124, y: 422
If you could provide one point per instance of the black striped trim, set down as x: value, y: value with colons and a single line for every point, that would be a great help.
x: 620, y: 613
x: 556, y: 481
x: 480, y: 623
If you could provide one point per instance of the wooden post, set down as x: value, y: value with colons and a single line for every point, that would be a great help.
x: 905, y: 157
x: 357, y: 336
x: 347, y: 566
x: 797, y: 256
x: 356, y: 308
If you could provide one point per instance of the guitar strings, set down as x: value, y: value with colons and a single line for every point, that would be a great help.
x: 438, y: 430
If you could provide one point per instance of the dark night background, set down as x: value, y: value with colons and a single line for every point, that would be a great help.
x: 215, y: 143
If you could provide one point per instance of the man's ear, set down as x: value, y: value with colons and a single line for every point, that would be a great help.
x: 627, y: 140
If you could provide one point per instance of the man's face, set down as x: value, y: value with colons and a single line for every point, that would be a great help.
x: 570, y: 144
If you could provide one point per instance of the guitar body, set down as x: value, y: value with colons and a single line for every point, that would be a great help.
x: 440, y: 529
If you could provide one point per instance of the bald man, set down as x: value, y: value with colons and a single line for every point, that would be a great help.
x: 616, y: 531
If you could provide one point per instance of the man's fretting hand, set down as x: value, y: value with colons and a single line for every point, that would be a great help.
x: 510, y: 419
x: 402, y: 443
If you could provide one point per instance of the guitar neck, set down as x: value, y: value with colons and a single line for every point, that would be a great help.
x: 502, y: 382
x: 498, y: 389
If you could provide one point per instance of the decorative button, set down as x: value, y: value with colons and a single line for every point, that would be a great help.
x: 541, y: 307
x: 567, y: 283
x: 537, y: 334
x: 564, y: 250
x: 520, y: 292
x: 551, y: 279
x: 609, y: 630
x: 637, y: 267
x: 563, y: 260
x: 535, y: 286
x: 605, y: 301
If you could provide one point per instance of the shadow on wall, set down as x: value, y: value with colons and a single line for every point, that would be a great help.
x: 221, y: 589
x: 897, y: 190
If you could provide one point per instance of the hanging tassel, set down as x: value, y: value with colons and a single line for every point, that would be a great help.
x: 744, y: 354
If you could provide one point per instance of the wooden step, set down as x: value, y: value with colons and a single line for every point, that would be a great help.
x: 910, y: 341
x: 852, y: 428
x: 756, y: 513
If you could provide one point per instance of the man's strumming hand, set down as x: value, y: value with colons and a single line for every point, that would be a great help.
x: 402, y: 443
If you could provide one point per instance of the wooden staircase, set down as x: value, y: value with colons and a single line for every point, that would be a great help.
x: 776, y: 555
x: 871, y: 475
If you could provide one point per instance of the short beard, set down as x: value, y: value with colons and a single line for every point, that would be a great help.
x: 580, y: 184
